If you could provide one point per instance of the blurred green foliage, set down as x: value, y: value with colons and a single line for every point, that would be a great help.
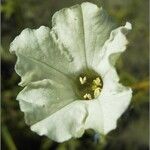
x: 132, y: 131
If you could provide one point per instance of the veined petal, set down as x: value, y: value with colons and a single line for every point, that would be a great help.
x: 41, y: 99
x: 104, y: 111
x: 111, y: 50
x: 114, y: 100
x: 95, y: 116
x: 83, y: 29
x: 40, y: 55
x: 64, y: 124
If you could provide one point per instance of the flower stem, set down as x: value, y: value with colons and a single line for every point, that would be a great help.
x: 6, y: 136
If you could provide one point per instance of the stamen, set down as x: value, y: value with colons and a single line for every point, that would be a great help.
x: 87, y: 96
x: 90, y: 85
x: 82, y: 80
x: 97, y: 81
x: 97, y: 92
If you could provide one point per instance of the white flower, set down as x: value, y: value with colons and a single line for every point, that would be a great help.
x: 68, y: 72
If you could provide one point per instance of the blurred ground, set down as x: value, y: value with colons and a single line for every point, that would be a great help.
x: 132, y: 131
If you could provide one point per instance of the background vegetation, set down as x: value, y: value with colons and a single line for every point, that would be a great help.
x: 132, y: 131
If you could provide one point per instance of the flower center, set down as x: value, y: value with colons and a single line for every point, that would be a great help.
x: 89, y: 85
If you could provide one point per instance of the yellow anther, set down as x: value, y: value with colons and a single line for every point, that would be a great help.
x: 97, y: 81
x: 87, y: 96
x: 82, y: 80
x: 94, y: 87
x: 97, y: 92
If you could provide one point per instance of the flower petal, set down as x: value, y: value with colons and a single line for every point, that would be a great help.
x: 111, y: 50
x: 41, y: 99
x: 41, y: 56
x: 95, y: 116
x: 114, y: 100
x: 83, y: 29
x: 104, y: 112
x: 64, y: 124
